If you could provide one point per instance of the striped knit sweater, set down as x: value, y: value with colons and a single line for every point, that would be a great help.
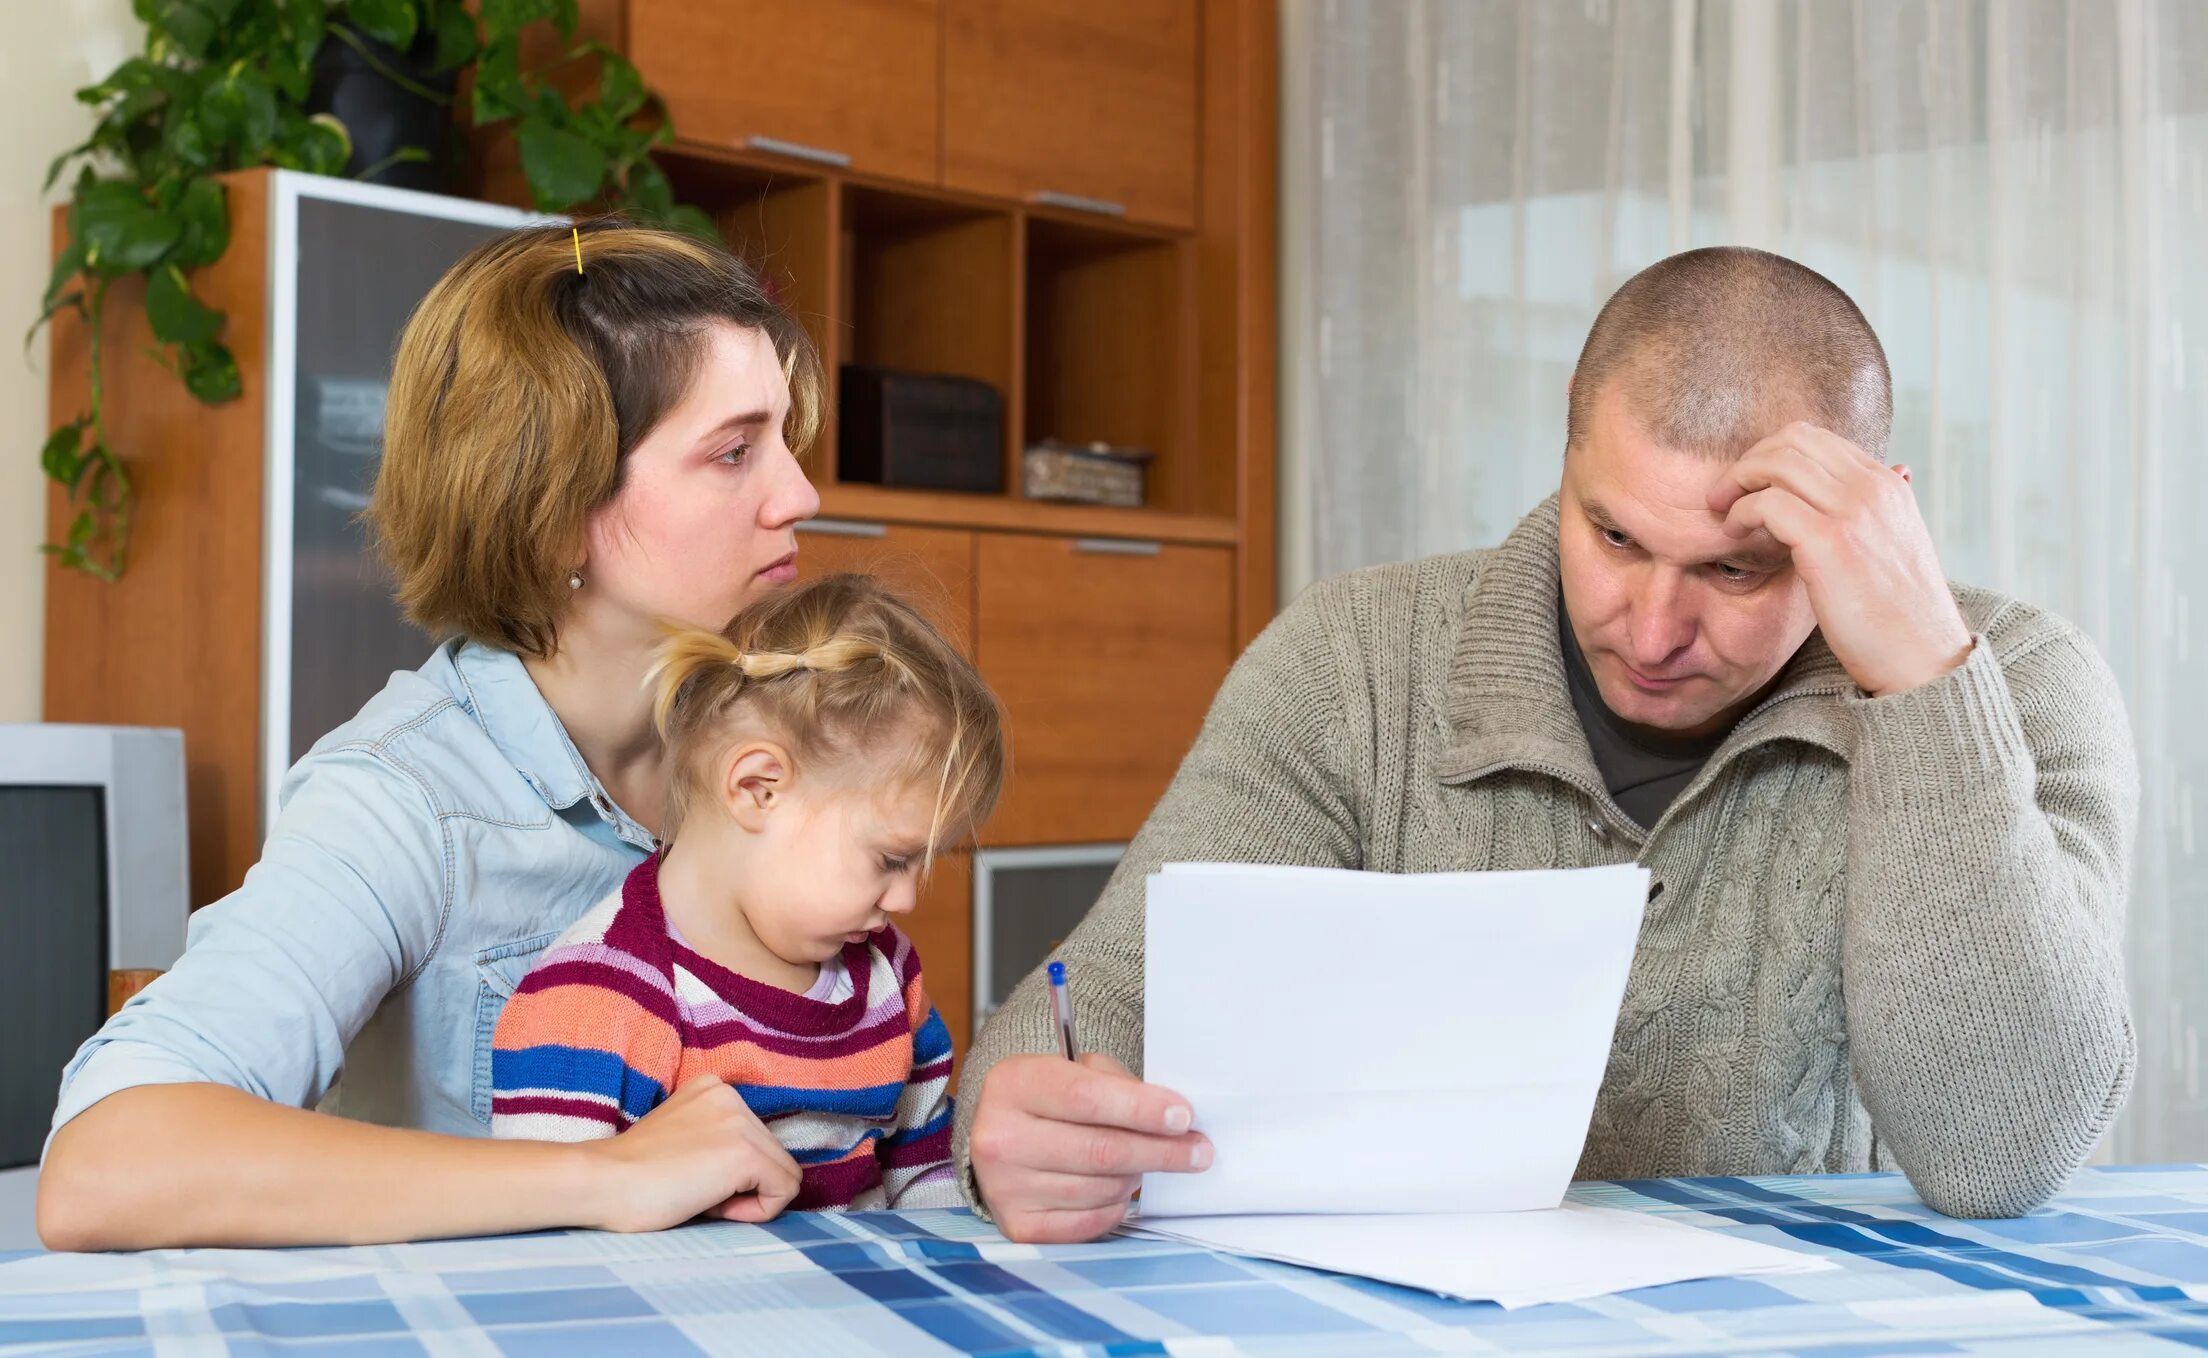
x: 619, y: 1013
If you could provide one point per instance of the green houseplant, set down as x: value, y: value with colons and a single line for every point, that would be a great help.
x: 225, y: 85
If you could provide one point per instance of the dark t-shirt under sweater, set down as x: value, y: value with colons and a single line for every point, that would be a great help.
x: 1644, y: 769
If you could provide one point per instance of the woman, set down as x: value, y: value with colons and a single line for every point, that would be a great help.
x: 569, y: 458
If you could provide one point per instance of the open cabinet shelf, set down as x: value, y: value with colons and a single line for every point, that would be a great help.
x: 1085, y: 327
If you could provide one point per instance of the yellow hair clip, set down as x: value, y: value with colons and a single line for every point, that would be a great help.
x: 578, y: 233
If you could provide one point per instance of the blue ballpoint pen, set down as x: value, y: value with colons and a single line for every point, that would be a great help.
x: 1061, y: 1004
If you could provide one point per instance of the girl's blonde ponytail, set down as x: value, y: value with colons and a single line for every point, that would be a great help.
x: 836, y: 668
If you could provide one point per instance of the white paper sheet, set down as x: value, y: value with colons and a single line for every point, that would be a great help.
x: 1358, y: 1042
x: 1514, y: 1258
x: 1397, y: 1074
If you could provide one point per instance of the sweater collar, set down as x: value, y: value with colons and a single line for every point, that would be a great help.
x: 1508, y: 702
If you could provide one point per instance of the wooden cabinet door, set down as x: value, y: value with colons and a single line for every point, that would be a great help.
x: 855, y: 81
x: 1076, y: 98
x: 933, y: 568
x: 1105, y: 661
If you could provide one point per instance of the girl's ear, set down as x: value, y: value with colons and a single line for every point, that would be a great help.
x: 755, y: 782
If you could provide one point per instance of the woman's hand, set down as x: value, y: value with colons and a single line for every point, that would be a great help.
x: 1059, y: 1148
x: 702, y: 1152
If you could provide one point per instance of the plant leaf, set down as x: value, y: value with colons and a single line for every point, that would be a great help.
x: 63, y: 451
x: 392, y: 22
x: 288, y: 73
x: 60, y: 162
x: 185, y: 139
x: 506, y: 18
x: 178, y: 317
x: 241, y: 108
x: 562, y: 168
x: 620, y: 86
x: 647, y: 192
x: 309, y: 24
x: 319, y: 145
x: 189, y: 25
x: 498, y: 89
x: 204, y: 211
x: 67, y: 265
x: 121, y: 231
x: 455, y: 29
x: 209, y: 371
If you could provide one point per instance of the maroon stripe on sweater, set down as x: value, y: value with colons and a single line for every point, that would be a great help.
x: 597, y: 975
x: 897, y: 946
x: 926, y: 1151
x: 932, y: 1071
x: 837, y: 1184
x: 713, y: 1036
x: 517, y: 1105
x: 784, y: 1009
x: 640, y: 928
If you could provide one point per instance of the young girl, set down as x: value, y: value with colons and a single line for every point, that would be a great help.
x: 822, y: 748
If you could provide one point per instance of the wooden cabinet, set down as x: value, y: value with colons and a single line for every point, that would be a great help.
x: 1071, y: 99
x: 931, y: 567
x: 845, y: 82
x: 1106, y: 656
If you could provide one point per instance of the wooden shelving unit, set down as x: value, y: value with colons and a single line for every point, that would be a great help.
x: 1086, y: 327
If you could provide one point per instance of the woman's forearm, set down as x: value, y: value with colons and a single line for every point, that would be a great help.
x: 159, y: 1166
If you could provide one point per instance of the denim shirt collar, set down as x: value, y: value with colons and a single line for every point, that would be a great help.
x: 506, y: 703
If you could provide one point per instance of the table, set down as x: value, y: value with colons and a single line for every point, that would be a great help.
x: 2117, y: 1265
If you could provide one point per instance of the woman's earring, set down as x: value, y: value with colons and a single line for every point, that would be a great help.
x: 575, y: 578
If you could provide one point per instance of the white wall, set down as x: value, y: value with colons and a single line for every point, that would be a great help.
x: 50, y: 49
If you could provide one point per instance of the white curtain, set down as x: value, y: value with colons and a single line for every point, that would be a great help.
x: 2015, y: 191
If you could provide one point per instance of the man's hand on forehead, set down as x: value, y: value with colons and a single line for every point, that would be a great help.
x: 1857, y: 540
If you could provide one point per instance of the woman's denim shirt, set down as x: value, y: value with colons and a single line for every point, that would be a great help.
x: 426, y: 852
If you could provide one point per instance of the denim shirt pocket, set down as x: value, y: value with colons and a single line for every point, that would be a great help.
x: 499, y: 970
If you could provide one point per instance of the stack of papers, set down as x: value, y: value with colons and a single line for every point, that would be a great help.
x: 1397, y: 1073
x: 1516, y: 1259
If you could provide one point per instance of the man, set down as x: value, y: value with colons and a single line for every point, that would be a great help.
x: 1889, y: 819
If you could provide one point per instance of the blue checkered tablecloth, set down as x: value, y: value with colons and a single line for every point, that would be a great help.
x: 2118, y: 1265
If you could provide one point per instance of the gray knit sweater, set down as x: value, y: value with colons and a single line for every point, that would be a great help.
x: 1889, y: 932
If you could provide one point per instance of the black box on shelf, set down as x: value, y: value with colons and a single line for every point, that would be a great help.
x: 921, y: 431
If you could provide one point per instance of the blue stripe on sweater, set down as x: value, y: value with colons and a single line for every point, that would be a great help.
x: 932, y: 1042
x: 940, y: 1121
x: 577, y: 1070
x: 875, y: 1102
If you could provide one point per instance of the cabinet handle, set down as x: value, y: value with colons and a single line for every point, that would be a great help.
x: 842, y: 528
x: 1115, y: 547
x: 1103, y: 207
x: 797, y: 150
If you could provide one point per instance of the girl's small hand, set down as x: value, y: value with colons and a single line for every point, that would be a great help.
x: 702, y: 1152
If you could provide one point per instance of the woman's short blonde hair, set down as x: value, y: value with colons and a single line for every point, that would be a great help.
x: 847, y: 674
x: 521, y: 386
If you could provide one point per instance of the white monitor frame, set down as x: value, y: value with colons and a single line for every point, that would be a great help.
x: 985, y: 862
x: 286, y: 189
x: 140, y: 771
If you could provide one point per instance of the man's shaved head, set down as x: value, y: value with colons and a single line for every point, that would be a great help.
x: 1716, y: 348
